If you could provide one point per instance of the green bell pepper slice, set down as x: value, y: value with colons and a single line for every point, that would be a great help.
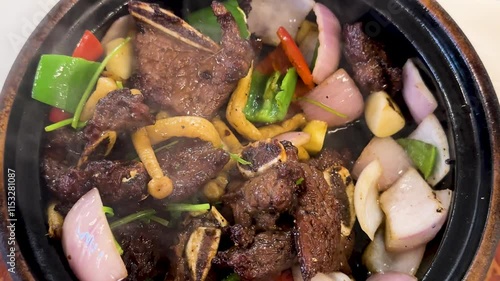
x: 422, y: 154
x: 60, y: 81
x: 205, y: 21
x: 270, y: 97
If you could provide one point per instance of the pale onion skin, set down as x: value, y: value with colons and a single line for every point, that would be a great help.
x: 267, y: 16
x: 431, y: 131
x: 392, y: 157
x: 88, y: 242
x: 420, y: 101
x: 338, y: 92
x: 296, y: 138
x: 329, y: 50
x: 391, y: 276
x: 378, y: 260
x: 414, y: 214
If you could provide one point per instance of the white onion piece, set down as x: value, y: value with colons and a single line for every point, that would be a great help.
x: 338, y: 92
x: 377, y: 259
x: 392, y: 157
x: 119, y: 29
x: 329, y: 43
x: 444, y: 196
x: 391, y: 276
x: 431, y: 131
x: 368, y: 211
x: 267, y: 16
x: 88, y: 242
x: 417, y: 96
x: 296, y: 138
x: 413, y: 213
x: 308, y: 46
x: 339, y: 276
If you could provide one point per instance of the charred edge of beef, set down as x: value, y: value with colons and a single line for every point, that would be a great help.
x: 317, y: 228
x: 372, y: 67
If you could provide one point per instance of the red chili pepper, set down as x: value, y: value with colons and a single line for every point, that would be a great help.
x: 295, y: 56
x: 89, y: 47
x: 57, y: 114
x: 276, y: 60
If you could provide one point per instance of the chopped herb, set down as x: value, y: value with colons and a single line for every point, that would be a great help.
x: 63, y: 123
x: 232, y: 277
x: 133, y: 217
x: 93, y: 81
x: 108, y: 211
x: 238, y: 159
x: 322, y: 106
x: 118, y: 247
x: 119, y: 84
x: 299, y: 181
x: 159, y: 220
x: 188, y: 207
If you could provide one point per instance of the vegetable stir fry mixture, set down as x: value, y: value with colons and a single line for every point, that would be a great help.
x: 196, y: 149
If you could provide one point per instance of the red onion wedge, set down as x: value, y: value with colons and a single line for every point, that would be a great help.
x: 417, y: 96
x: 119, y: 29
x: 378, y: 260
x: 337, y: 100
x: 267, y: 16
x: 414, y: 214
x: 368, y: 211
x: 296, y: 138
x: 392, y: 157
x: 391, y: 276
x: 88, y: 242
x: 329, y: 43
x: 431, y: 131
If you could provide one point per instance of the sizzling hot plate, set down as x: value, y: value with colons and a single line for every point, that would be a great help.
x: 468, y: 108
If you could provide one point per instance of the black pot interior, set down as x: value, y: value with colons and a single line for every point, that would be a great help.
x: 396, y: 22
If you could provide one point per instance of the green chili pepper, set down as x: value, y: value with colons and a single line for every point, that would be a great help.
x: 270, y: 97
x: 205, y: 21
x: 61, y: 80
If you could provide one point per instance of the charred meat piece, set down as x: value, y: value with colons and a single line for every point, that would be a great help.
x: 190, y: 164
x: 264, y: 197
x: 329, y: 157
x: 370, y: 63
x: 270, y: 253
x: 317, y: 227
x: 242, y: 236
x: 261, y: 155
x: 64, y: 145
x: 181, y: 70
x: 119, y: 111
x: 118, y: 182
x: 144, y: 249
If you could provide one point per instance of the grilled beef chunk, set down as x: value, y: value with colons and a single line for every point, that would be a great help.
x: 329, y: 157
x: 242, y: 236
x: 181, y: 70
x: 190, y: 164
x: 372, y: 68
x: 270, y: 253
x: 317, y: 228
x: 263, y: 198
x: 119, y: 111
x: 118, y: 182
x: 144, y: 249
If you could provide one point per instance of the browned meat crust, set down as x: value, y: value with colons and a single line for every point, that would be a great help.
x: 372, y: 68
x: 190, y: 164
x: 317, y: 227
x: 270, y: 253
x: 182, y: 71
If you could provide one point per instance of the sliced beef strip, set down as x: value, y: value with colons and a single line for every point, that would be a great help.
x: 317, y: 227
x: 118, y: 182
x: 372, y: 68
x: 263, y: 198
x: 270, y: 253
x: 183, y: 71
x: 118, y: 111
x: 190, y: 164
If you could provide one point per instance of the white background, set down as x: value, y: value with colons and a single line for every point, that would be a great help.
x: 480, y: 20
